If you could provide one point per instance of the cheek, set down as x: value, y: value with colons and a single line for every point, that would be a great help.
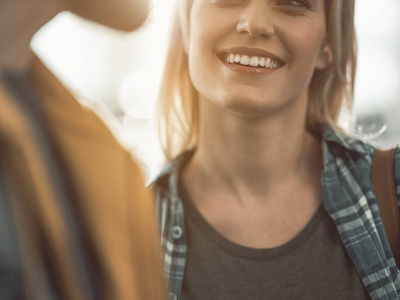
x: 197, y: 37
x: 197, y: 54
x: 202, y: 42
x: 209, y: 26
x: 306, y: 45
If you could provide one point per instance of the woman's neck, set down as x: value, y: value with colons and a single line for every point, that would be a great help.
x: 256, y: 156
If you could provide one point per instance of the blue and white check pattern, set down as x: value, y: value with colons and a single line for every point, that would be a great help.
x: 347, y: 196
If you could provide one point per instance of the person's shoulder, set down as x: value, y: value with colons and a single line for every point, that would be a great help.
x: 162, y: 180
x: 165, y: 183
x: 356, y: 145
x: 354, y: 142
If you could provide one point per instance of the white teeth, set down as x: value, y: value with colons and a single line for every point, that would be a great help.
x: 253, y: 61
x: 244, y: 60
x: 237, y: 58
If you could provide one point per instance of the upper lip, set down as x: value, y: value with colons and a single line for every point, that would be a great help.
x: 250, y: 52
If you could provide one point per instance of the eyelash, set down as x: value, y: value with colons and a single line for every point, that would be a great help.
x: 292, y: 4
x: 227, y: 2
x: 295, y: 3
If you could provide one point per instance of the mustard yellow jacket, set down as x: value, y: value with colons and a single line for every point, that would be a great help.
x: 77, y: 221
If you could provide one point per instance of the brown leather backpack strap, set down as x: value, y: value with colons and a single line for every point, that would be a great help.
x: 385, y: 191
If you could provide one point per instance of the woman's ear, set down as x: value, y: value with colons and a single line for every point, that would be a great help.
x: 325, y: 56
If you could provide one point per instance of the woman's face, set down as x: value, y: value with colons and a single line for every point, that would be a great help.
x: 256, y: 56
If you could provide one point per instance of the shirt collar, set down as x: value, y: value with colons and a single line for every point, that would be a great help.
x: 169, y: 175
x: 357, y: 144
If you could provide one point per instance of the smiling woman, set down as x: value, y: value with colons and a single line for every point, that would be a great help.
x: 331, y: 87
x: 266, y: 197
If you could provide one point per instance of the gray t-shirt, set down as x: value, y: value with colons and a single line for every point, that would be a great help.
x: 313, y: 265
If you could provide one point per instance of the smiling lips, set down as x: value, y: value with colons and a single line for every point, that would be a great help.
x: 252, y: 61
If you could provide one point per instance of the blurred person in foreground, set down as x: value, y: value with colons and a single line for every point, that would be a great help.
x: 265, y: 196
x: 75, y: 219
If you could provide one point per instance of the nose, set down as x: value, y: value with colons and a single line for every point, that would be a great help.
x: 256, y: 20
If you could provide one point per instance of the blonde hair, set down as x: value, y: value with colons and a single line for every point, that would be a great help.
x: 330, y: 91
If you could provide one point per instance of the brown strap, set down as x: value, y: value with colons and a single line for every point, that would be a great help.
x: 385, y: 191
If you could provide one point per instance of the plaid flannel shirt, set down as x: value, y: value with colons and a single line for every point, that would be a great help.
x: 347, y: 196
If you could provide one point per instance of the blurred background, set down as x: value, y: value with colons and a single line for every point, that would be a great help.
x: 120, y: 72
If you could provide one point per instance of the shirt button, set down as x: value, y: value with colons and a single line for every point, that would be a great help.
x: 176, y: 232
x: 172, y: 296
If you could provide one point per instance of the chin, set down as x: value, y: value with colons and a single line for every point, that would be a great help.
x: 251, y: 107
